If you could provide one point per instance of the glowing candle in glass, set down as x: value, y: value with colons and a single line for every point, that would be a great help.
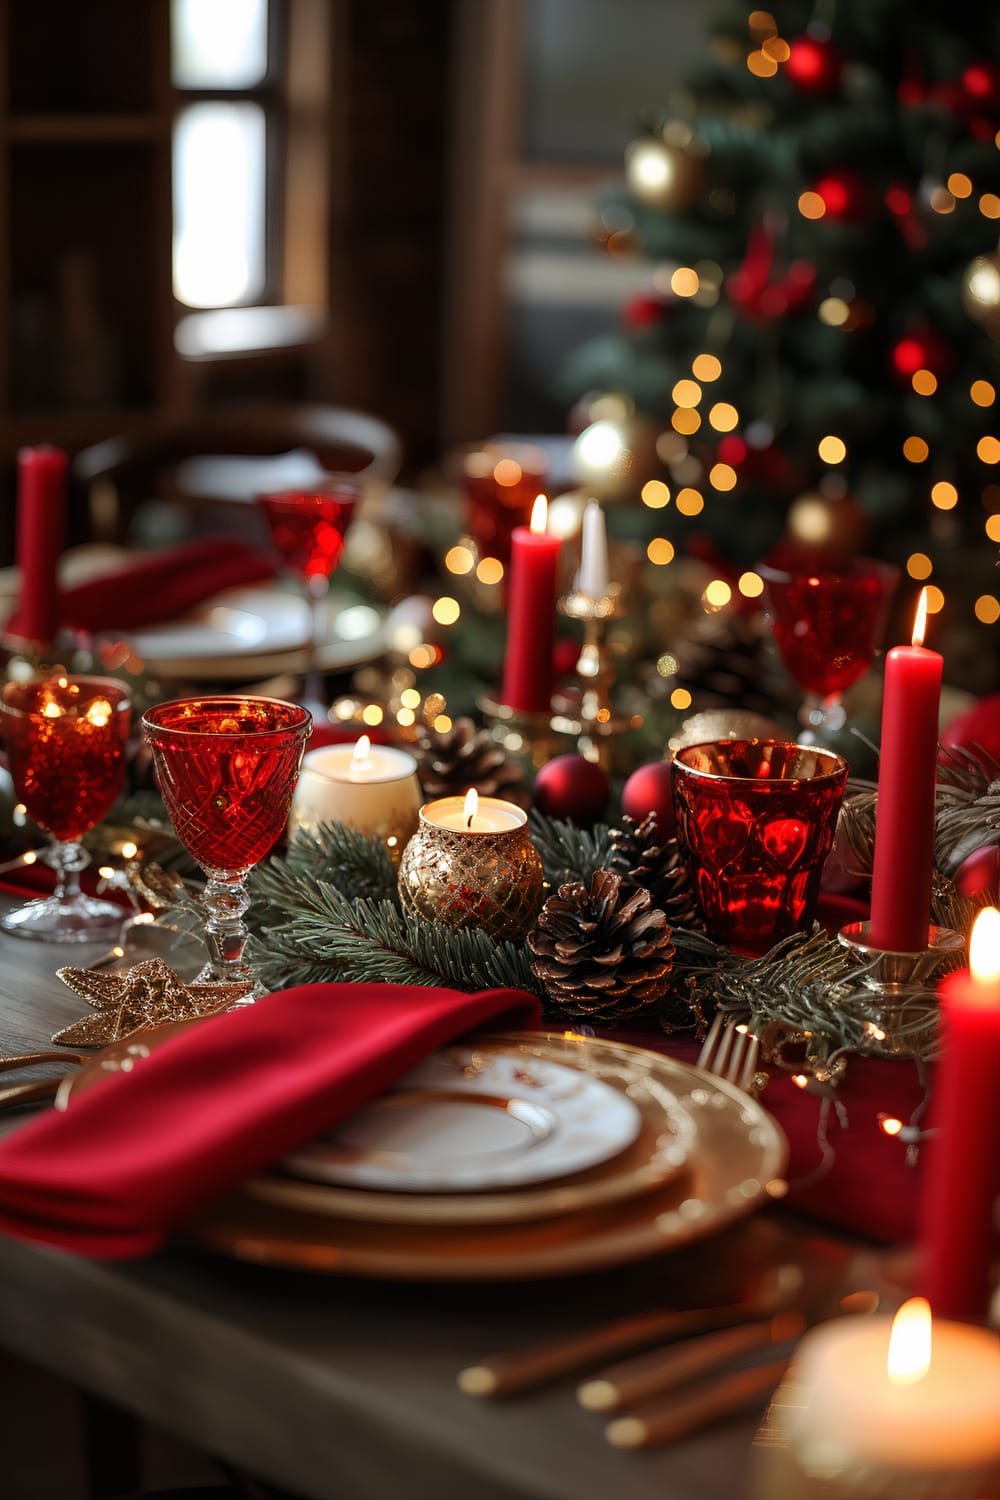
x: 65, y: 739
x: 371, y: 788
x: 471, y: 863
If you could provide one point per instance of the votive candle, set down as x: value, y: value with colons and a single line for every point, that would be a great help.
x: 902, y: 1409
x: 371, y: 788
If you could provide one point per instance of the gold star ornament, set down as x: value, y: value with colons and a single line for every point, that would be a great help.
x: 148, y: 994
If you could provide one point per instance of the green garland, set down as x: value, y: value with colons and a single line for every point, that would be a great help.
x: 329, y: 910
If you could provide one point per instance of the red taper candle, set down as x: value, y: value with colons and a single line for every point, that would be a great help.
x: 41, y: 527
x: 962, y: 1173
x: 904, y: 817
x: 531, y: 619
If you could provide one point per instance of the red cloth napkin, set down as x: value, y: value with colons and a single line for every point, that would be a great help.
x: 158, y: 585
x: 137, y: 1155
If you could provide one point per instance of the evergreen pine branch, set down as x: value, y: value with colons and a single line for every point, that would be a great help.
x: 366, y: 940
x: 568, y: 853
x: 358, y: 864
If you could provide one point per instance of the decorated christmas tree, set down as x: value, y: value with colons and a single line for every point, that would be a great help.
x: 815, y: 364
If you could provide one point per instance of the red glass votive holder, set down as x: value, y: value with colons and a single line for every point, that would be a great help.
x: 755, y: 823
x: 501, y: 482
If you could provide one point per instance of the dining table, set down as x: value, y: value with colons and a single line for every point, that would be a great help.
x: 344, y: 1387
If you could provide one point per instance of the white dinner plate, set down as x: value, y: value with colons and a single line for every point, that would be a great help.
x: 469, y: 1119
x: 254, y: 630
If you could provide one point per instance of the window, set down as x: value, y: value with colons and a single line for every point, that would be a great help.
x: 222, y: 59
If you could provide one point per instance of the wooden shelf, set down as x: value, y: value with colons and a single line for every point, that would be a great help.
x: 85, y: 129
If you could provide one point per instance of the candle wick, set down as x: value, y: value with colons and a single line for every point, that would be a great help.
x: 468, y: 822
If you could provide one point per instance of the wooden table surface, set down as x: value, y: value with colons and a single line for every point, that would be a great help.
x: 342, y: 1388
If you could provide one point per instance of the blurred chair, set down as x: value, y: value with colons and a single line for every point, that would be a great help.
x: 188, y: 477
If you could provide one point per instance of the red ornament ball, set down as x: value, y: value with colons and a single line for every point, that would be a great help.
x: 979, y: 873
x: 981, y: 84
x: 978, y: 728
x: 570, y: 787
x: 642, y: 311
x: 845, y: 194
x: 648, y: 791
x: 814, y: 65
x: 923, y: 350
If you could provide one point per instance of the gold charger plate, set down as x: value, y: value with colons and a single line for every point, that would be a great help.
x: 667, y: 1135
x: 736, y: 1164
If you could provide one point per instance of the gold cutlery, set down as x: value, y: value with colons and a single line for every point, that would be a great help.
x: 526, y: 1369
x: 633, y: 1380
x: 669, y: 1418
x: 42, y: 1088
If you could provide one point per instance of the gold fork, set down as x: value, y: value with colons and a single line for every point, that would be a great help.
x: 731, y: 1051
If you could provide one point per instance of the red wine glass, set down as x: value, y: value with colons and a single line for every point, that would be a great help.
x: 66, y: 739
x: 308, y: 528
x: 226, y: 767
x: 828, y: 626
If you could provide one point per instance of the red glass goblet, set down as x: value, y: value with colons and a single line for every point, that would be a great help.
x: 226, y: 767
x: 308, y: 528
x: 755, y: 823
x: 501, y: 482
x: 66, y: 739
x: 828, y: 626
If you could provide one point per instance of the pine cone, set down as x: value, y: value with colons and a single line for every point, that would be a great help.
x: 646, y: 862
x: 451, y: 761
x: 728, y: 660
x: 601, y: 953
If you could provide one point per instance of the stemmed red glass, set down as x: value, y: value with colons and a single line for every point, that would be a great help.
x: 66, y: 739
x: 828, y: 626
x: 308, y: 528
x: 226, y: 767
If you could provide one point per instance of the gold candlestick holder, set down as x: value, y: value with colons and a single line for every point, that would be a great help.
x: 528, y: 737
x: 584, y: 711
x: 897, y: 998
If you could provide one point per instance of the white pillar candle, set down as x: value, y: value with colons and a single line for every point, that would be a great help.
x: 865, y: 1419
x: 474, y: 814
x: 372, y: 788
x: 593, y: 578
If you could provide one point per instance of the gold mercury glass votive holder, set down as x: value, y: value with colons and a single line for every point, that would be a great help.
x: 481, y: 871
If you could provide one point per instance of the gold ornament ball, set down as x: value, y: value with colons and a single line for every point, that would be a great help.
x: 827, y: 526
x: 665, y: 174
x: 981, y: 292
x: 614, y: 457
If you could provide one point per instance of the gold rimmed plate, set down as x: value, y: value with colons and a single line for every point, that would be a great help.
x: 657, y: 1152
x: 736, y: 1164
x: 472, y: 1117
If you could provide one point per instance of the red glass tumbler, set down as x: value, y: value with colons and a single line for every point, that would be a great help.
x: 226, y: 767
x: 755, y: 823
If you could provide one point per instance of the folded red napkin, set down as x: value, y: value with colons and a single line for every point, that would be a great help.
x: 158, y: 585
x: 136, y: 1156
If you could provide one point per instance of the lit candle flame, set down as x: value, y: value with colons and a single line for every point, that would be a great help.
x: 984, y: 945
x: 471, y: 806
x: 910, y: 1343
x: 539, y: 514
x: 920, y: 622
x: 362, y: 749
x: 98, y: 713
